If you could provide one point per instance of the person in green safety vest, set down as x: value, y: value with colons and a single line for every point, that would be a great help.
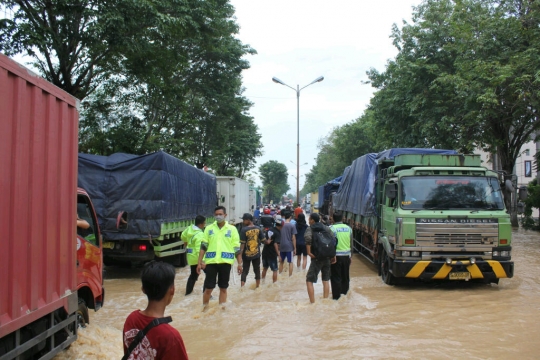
x: 192, y: 237
x: 219, y: 247
x: 339, y: 271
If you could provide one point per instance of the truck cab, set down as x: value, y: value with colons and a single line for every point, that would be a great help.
x: 443, y: 217
x: 90, y: 291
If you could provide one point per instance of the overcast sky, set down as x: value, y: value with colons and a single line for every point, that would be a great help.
x: 299, y: 40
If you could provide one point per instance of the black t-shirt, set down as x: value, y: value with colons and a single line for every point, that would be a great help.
x: 270, y: 250
x: 251, y: 237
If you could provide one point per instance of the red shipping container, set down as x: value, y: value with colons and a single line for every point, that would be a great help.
x: 38, y: 187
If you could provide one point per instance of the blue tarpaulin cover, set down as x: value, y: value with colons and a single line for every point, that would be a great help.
x: 356, y: 193
x: 153, y: 189
x: 326, y: 189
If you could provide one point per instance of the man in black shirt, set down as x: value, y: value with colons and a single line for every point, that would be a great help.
x: 270, y: 251
x: 251, y: 237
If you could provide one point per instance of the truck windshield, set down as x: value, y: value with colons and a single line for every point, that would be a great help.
x: 451, y: 192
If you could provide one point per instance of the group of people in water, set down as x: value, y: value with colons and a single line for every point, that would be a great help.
x: 213, y: 248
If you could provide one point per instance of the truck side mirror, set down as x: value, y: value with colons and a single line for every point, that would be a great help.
x: 122, y: 220
x: 391, y: 190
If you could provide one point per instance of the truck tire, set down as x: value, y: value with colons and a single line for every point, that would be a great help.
x: 385, y: 263
x: 178, y: 260
x: 83, y: 318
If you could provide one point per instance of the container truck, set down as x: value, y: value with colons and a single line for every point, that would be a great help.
x: 233, y: 193
x: 50, y: 272
x: 157, y: 194
x: 428, y: 214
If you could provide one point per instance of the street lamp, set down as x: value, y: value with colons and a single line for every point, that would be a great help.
x: 276, y: 80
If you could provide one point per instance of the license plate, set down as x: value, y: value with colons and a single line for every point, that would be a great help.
x: 460, y: 275
x: 108, y: 245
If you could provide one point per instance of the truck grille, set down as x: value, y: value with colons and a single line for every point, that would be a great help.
x: 457, y: 233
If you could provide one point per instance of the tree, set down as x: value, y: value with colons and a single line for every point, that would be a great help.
x: 154, y: 75
x: 77, y: 44
x: 274, y: 178
x: 466, y: 76
x: 340, y: 149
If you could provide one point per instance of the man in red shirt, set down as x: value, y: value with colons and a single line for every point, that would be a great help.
x: 298, y: 211
x: 162, y: 341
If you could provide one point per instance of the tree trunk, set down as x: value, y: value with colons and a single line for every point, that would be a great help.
x: 510, y: 200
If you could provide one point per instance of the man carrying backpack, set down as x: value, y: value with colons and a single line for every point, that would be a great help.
x: 321, y: 248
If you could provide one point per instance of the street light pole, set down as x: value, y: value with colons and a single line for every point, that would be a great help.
x: 276, y: 80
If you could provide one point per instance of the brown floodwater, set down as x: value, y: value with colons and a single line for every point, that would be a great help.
x: 419, y: 320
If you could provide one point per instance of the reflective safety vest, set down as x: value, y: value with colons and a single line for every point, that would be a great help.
x: 192, y: 236
x: 221, y: 244
x: 343, y: 235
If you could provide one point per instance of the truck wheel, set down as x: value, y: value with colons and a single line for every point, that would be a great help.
x: 384, y: 264
x: 82, y: 314
x: 178, y: 260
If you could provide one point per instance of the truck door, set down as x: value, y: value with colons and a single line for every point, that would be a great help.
x: 89, y: 251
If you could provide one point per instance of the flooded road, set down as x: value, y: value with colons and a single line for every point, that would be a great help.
x: 443, y: 321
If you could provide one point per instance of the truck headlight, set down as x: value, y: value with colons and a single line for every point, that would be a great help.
x: 415, y: 253
x: 495, y: 253
x: 505, y: 253
x: 405, y: 253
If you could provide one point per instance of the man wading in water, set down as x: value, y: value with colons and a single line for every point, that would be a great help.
x: 221, y: 243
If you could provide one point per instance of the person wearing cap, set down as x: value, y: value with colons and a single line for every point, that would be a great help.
x: 270, y: 250
x: 251, y: 237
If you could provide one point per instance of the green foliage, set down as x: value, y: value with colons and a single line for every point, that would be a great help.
x: 154, y: 75
x: 532, y: 201
x: 340, y: 148
x: 466, y: 76
x: 274, y: 178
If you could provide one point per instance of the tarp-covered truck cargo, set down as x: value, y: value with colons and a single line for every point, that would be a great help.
x: 427, y: 214
x: 233, y: 193
x: 38, y: 189
x: 161, y: 196
x: 325, y: 193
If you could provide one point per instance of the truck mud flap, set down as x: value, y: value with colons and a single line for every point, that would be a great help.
x: 439, y: 270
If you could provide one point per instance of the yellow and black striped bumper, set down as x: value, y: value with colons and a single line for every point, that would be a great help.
x: 440, y: 270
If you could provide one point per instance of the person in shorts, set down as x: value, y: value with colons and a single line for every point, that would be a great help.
x: 270, y: 250
x: 287, y: 245
x: 317, y: 265
x: 251, y: 237
x: 219, y: 246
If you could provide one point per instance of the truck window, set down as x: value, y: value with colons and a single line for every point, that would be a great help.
x: 450, y: 192
x: 84, y: 213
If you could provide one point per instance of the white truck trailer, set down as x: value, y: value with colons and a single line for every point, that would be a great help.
x: 233, y: 193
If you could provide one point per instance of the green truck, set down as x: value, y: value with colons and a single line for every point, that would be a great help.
x: 428, y: 214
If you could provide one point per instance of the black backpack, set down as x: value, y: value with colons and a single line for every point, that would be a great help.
x: 323, y: 245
